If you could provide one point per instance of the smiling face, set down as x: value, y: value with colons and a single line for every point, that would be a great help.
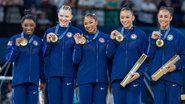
x: 64, y: 17
x: 90, y: 24
x: 164, y: 19
x: 126, y: 19
x: 28, y: 26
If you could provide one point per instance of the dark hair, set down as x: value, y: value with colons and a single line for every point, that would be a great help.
x: 169, y: 9
x: 92, y: 15
x: 127, y: 9
x: 28, y: 15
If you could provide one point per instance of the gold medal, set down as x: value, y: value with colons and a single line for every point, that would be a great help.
x: 82, y: 40
x: 53, y: 38
x: 119, y: 37
x: 23, y: 42
x: 159, y: 43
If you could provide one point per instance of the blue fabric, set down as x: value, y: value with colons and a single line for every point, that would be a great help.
x: 127, y: 52
x: 59, y: 55
x: 26, y: 93
x: 27, y: 60
x: 92, y: 59
x: 93, y: 93
x: 60, y: 90
x: 131, y: 94
x: 160, y: 55
x: 166, y: 92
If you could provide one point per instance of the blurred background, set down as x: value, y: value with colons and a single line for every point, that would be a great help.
x: 107, y: 12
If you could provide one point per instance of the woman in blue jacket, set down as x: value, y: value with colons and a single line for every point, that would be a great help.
x: 25, y: 51
x: 125, y: 53
x: 168, y: 88
x: 92, y: 59
x: 59, y: 68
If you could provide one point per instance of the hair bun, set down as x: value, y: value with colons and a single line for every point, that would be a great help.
x: 93, y: 15
x: 27, y: 12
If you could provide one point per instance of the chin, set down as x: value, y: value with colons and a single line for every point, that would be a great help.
x: 89, y: 31
x: 164, y: 25
x: 29, y: 33
x: 64, y: 25
x: 126, y: 27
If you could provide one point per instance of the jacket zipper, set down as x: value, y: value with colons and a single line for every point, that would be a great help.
x: 30, y: 63
x: 125, y: 55
x: 62, y: 56
x: 97, y: 61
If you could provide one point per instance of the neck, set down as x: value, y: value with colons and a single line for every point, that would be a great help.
x: 27, y: 34
x: 64, y: 25
x: 129, y: 27
x: 164, y: 28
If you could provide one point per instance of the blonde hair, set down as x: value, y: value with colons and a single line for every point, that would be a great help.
x: 65, y: 7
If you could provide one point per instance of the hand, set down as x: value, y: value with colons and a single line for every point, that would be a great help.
x: 49, y: 36
x: 171, y: 68
x: 18, y: 41
x: 77, y: 93
x: 42, y: 87
x: 109, y: 88
x: 155, y: 34
x: 114, y: 33
x: 134, y: 76
x: 77, y: 38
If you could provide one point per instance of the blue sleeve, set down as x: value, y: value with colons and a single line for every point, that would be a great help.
x: 142, y: 68
x: 77, y: 53
x: 181, y: 63
x: 144, y: 44
x: 46, y: 46
x: 42, y: 74
x: 151, y: 48
x: 12, y: 50
x: 111, y: 48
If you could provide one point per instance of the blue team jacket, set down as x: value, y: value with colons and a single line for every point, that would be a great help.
x: 173, y: 45
x: 127, y: 52
x: 27, y: 59
x: 59, y: 55
x: 92, y: 59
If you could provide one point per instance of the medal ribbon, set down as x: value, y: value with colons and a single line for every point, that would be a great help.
x: 60, y: 36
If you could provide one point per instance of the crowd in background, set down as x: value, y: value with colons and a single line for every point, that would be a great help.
x: 107, y: 10
x: 11, y: 12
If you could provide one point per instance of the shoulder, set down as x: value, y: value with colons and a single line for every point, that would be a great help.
x: 12, y: 39
x: 104, y: 35
x: 177, y: 32
x: 139, y: 31
x: 36, y: 37
x: 15, y: 36
x: 75, y: 29
x: 141, y: 34
x: 51, y: 29
x: 37, y: 40
x: 119, y: 29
